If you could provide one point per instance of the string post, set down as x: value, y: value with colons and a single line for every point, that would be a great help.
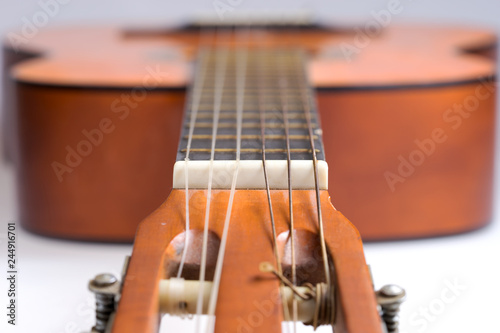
x: 267, y: 267
x: 321, y: 295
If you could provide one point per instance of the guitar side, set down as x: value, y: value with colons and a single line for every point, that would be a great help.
x: 456, y: 193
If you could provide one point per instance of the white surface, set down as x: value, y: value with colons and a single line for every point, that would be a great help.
x: 250, y: 174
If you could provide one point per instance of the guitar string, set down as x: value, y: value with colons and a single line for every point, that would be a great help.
x: 306, y: 101
x: 307, y: 109
x: 284, y: 107
x: 195, y: 105
x: 241, y: 67
x: 221, y: 55
x: 266, y: 181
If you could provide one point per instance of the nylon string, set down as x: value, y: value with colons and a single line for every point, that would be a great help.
x: 241, y: 65
x: 221, y: 61
x: 195, y: 105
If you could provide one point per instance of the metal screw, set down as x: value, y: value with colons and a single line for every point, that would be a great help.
x: 104, y: 280
x: 390, y: 297
x: 105, y: 287
x: 391, y: 290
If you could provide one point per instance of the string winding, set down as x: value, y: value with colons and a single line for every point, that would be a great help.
x: 283, y: 84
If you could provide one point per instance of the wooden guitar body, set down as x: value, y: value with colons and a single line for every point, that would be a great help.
x: 93, y: 120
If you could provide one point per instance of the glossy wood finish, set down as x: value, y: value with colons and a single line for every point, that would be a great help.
x: 398, y: 55
x: 10, y: 58
x: 242, y: 284
x: 117, y: 180
x: 446, y: 184
x: 373, y: 107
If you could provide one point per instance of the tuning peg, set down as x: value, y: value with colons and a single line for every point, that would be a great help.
x: 390, y: 297
x: 105, y: 287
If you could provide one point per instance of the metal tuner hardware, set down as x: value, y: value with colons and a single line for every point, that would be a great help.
x: 177, y: 296
x: 106, y: 288
x: 389, y: 298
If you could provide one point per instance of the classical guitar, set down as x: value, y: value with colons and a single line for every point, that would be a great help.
x: 248, y: 236
x: 93, y: 117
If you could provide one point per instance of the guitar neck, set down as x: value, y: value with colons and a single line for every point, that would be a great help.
x: 279, y: 122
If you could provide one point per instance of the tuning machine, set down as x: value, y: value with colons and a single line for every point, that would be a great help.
x: 107, y: 290
x: 389, y: 298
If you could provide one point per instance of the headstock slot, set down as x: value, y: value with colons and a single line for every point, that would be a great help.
x: 191, y: 267
x: 309, y: 261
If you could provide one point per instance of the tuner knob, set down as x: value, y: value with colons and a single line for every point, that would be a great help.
x: 390, y: 297
x: 105, y: 287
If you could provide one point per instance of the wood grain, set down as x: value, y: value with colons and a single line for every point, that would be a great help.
x: 244, y: 290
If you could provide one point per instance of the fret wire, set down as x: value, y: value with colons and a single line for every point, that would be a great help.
x: 248, y: 116
x: 230, y: 107
x: 250, y: 111
x: 269, y: 125
x: 229, y: 99
x: 270, y: 91
x: 251, y: 150
x: 251, y: 137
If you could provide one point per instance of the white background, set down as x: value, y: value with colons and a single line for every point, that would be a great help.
x: 53, y: 274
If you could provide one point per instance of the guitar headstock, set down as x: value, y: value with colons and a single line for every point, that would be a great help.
x: 153, y: 285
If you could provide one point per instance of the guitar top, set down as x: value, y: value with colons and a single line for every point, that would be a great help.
x: 401, y: 53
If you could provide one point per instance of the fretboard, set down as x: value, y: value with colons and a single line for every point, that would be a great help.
x: 276, y: 99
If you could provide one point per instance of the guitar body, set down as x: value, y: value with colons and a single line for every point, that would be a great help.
x: 93, y: 120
